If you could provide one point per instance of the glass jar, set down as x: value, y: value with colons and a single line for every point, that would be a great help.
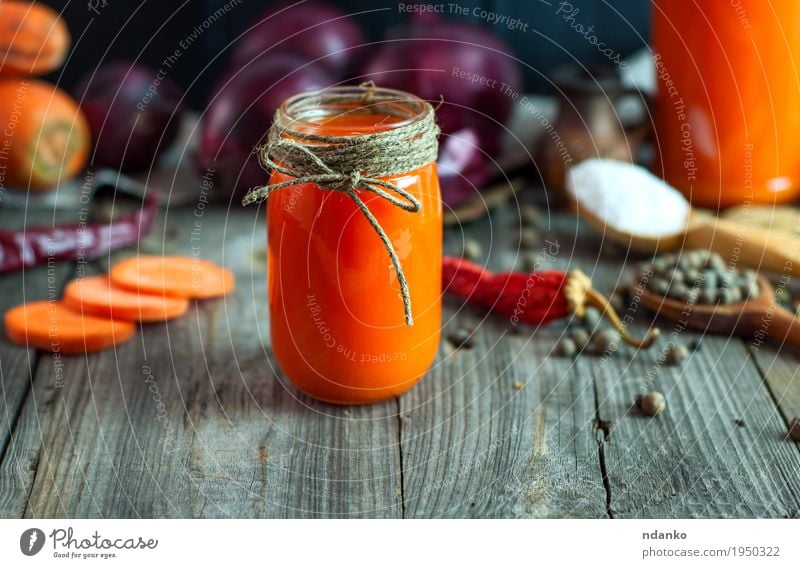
x: 336, y: 312
x: 727, y: 111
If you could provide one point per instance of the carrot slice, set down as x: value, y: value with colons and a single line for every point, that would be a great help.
x: 172, y: 276
x: 96, y: 295
x: 52, y: 326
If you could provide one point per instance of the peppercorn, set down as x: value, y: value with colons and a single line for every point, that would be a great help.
x: 566, y: 347
x: 528, y: 238
x: 651, y: 404
x: 471, y: 249
x: 581, y: 339
x: 530, y: 261
x: 461, y: 338
x: 529, y: 215
x: 708, y: 297
x: 676, y: 354
x: 606, y: 341
x: 592, y: 318
x: 782, y: 295
x: 794, y: 429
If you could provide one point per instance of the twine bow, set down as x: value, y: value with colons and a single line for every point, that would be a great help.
x: 355, y: 162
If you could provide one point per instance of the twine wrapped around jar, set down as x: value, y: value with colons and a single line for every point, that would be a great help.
x: 355, y: 162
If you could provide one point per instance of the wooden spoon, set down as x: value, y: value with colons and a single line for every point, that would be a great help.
x: 755, y: 247
x: 760, y: 317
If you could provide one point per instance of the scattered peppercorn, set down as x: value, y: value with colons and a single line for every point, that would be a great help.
x: 529, y: 215
x: 530, y: 261
x: 676, y: 354
x: 739, y: 422
x: 471, y: 249
x: 581, y: 339
x: 782, y: 295
x: 592, y: 319
x: 794, y: 429
x: 528, y: 238
x: 651, y: 404
x: 461, y: 338
x: 566, y: 347
x: 606, y: 341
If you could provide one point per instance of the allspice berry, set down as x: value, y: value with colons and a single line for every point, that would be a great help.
x: 794, y: 429
x: 652, y: 403
x: 471, y: 250
x: 676, y: 354
x: 566, y: 347
x: 581, y: 339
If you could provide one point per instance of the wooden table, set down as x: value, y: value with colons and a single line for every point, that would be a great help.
x: 86, y: 437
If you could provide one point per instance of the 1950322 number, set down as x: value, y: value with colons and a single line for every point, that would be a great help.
x: 757, y: 551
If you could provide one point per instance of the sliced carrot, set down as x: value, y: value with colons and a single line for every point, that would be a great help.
x: 52, y: 326
x: 96, y: 295
x: 172, y: 276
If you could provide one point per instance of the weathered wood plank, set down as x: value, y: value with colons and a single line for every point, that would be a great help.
x: 235, y: 439
x: 230, y: 440
x: 477, y: 444
x: 17, y: 364
x: 780, y: 368
x: 718, y: 449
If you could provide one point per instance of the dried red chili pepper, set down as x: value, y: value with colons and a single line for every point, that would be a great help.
x: 536, y: 298
x: 35, y: 245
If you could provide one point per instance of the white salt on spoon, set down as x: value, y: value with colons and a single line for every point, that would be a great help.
x: 631, y: 206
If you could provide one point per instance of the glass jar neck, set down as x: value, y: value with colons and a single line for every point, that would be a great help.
x: 350, y: 110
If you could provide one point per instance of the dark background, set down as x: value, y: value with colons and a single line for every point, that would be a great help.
x: 150, y: 30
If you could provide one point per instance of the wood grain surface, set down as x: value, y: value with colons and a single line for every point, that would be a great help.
x: 194, y: 419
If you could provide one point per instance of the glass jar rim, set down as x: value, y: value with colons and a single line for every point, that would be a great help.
x: 301, y: 110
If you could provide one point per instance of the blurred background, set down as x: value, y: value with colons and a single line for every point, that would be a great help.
x: 149, y: 31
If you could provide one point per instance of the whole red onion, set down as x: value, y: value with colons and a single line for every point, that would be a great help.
x: 241, y: 111
x: 472, y: 70
x: 313, y: 30
x: 133, y: 114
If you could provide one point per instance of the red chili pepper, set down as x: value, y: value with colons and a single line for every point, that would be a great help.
x: 35, y: 245
x: 534, y: 298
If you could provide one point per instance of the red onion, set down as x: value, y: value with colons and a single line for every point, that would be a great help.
x: 241, y: 111
x: 133, y: 114
x: 313, y: 30
x: 467, y: 66
x: 462, y: 166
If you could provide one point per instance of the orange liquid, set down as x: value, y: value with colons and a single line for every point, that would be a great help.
x: 728, y: 106
x: 336, y: 314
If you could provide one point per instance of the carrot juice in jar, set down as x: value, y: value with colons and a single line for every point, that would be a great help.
x: 340, y: 326
x: 727, y: 111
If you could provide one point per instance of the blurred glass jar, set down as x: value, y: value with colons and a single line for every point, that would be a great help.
x: 727, y: 112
